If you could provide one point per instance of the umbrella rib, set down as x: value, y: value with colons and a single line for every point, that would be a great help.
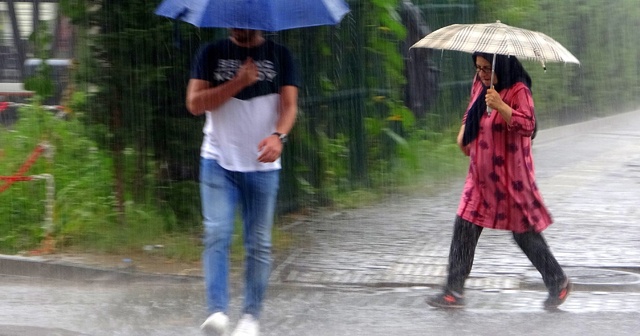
x: 454, y: 38
x: 461, y: 37
x: 537, y: 48
x: 557, y: 48
x: 486, y: 38
x: 518, y: 48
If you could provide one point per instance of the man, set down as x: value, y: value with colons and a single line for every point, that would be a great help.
x: 248, y: 88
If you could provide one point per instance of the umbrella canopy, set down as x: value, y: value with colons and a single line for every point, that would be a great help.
x: 266, y: 15
x: 497, y: 38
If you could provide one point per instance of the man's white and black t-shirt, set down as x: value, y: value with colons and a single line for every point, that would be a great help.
x: 233, y: 131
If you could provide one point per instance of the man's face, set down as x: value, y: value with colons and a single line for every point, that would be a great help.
x: 244, y: 35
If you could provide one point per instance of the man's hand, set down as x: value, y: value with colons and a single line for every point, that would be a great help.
x: 248, y: 73
x: 270, y: 149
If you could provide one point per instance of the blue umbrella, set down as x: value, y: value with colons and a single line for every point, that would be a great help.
x: 266, y: 15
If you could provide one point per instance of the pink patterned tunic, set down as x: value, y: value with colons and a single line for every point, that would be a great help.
x: 500, y: 191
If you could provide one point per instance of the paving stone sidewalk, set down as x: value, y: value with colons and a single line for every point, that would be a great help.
x: 589, y: 175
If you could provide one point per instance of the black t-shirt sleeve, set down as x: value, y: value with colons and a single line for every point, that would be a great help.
x: 290, y: 74
x: 202, y: 63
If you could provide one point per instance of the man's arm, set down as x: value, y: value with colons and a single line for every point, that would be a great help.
x: 202, y: 97
x: 288, y: 109
x: 270, y: 148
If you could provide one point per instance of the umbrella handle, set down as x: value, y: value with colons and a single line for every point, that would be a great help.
x: 493, y: 71
x: 491, y: 87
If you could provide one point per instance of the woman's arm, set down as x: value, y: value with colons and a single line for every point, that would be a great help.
x: 494, y: 101
x: 463, y: 148
x: 519, y: 112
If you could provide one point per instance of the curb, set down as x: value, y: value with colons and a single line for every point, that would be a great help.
x: 42, y: 268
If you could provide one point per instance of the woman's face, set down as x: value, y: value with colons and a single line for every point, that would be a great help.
x: 483, y: 69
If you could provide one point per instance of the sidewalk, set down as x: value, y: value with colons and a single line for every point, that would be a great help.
x: 589, y: 175
x: 379, y: 264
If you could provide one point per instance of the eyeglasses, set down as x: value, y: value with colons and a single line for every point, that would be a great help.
x: 484, y: 69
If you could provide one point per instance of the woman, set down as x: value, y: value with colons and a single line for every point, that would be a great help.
x: 500, y: 190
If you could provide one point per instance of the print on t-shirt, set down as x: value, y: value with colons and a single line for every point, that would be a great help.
x: 227, y: 69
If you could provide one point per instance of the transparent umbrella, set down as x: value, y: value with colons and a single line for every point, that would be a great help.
x: 498, y: 38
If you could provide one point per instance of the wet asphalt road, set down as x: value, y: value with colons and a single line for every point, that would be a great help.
x: 36, y: 308
x: 367, y: 271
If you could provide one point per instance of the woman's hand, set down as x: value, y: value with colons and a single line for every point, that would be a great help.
x: 494, y: 102
x: 493, y: 99
x: 463, y: 148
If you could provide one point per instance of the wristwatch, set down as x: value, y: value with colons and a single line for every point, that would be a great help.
x: 281, y: 136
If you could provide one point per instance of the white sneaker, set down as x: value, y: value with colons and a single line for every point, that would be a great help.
x: 247, y: 326
x: 216, y: 323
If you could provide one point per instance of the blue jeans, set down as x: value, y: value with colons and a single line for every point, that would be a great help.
x: 221, y: 192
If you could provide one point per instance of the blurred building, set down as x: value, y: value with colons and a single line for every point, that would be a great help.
x: 18, y: 20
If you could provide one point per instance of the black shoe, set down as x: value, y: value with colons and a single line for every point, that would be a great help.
x: 447, y: 299
x: 553, y: 301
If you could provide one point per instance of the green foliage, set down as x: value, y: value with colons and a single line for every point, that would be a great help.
x: 335, y: 152
x: 354, y: 139
x: 85, y: 214
x: 76, y: 10
x: 511, y: 12
x: 75, y: 165
x: 133, y: 77
x: 341, y: 103
x: 382, y: 33
x: 42, y: 81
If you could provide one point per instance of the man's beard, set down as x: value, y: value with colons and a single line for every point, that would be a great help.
x: 246, y: 36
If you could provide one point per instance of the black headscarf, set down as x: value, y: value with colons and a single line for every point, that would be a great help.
x: 509, y: 71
